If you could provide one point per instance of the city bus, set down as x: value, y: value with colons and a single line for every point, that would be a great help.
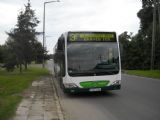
x: 87, y: 61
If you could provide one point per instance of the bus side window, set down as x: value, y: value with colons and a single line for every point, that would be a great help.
x: 61, y: 52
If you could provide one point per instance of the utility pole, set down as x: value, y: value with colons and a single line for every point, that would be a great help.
x: 159, y: 17
x: 43, y: 36
x: 153, y: 36
x: 44, y: 7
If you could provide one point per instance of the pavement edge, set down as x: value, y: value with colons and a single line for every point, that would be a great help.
x: 58, y: 103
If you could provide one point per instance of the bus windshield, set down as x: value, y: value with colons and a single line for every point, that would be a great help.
x: 92, y: 58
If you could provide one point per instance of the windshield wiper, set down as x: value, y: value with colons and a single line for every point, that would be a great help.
x: 105, y: 72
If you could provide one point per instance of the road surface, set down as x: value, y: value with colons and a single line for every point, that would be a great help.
x: 139, y: 99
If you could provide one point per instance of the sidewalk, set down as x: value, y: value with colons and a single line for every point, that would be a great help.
x: 39, y: 102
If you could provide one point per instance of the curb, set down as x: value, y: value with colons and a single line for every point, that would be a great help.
x: 58, y: 104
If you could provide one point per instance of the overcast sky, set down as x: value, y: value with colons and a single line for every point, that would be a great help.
x: 69, y: 15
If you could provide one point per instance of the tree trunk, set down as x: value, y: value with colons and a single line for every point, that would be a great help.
x: 159, y: 15
x: 20, y: 68
x: 25, y: 65
x: 17, y: 65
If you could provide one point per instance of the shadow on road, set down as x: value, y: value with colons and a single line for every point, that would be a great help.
x: 92, y: 94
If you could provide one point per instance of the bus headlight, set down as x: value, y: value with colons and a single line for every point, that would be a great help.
x: 70, y: 85
x: 117, y: 82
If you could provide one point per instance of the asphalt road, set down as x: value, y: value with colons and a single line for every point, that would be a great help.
x: 139, y: 99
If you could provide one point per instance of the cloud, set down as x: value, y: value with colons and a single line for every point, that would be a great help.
x: 8, y: 15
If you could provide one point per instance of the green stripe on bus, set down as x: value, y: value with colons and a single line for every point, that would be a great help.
x: 94, y: 84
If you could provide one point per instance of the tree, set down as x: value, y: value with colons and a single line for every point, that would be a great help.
x: 136, y: 50
x: 38, y: 52
x: 24, y: 36
x: 124, y: 39
x: 146, y: 28
x: 1, y: 58
x: 9, y: 58
x: 147, y: 3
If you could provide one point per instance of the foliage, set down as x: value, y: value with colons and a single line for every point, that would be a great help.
x: 1, y: 54
x: 38, y: 52
x: 12, y: 84
x: 136, y: 50
x: 9, y: 56
x: 146, y: 18
x: 124, y: 47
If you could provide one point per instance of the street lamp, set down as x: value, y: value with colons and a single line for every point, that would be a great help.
x: 43, y: 65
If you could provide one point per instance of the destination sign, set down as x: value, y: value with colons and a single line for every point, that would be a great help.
x: 92, y: 37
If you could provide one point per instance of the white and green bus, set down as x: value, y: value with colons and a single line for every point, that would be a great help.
x: 87, y: 61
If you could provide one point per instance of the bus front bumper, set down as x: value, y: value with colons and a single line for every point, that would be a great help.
x: 78, y: 90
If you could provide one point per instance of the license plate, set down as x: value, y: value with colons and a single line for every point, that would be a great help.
x: 94, y: 89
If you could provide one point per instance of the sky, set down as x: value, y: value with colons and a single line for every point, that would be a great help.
x: 73, y: 15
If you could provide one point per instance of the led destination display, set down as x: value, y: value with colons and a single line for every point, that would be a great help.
x: 92, y: 37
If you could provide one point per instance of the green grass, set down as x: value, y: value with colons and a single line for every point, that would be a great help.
x: 12, y: 84
x: 145, y: 73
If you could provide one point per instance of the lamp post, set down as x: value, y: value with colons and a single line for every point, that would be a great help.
x: 43, y: 64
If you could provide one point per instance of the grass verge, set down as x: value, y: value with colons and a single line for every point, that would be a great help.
x: 12, y: 84
x: 145, y: 73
